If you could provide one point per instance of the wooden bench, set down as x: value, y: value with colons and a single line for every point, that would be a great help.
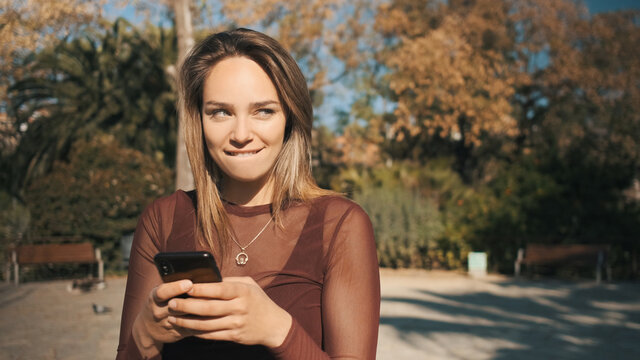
x: 77, y: 253
x: 588, y: 255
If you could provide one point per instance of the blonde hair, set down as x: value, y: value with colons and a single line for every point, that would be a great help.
x: 291, y: 173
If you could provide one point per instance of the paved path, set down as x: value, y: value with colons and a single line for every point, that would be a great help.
x: 424, y: 315
x: 448, y: 316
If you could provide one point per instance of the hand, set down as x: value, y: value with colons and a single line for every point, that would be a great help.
x: 236, y: 309
x: 151, y: 328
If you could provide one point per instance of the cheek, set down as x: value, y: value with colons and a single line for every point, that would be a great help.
x: 278, y: 133
x: 212, y: 137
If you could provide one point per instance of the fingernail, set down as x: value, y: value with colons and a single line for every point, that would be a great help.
x: 172, y: 304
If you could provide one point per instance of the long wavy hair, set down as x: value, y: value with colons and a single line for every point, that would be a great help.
x: 291, y: 173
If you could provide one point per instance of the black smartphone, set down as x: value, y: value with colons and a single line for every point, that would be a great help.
x: 197, y: 266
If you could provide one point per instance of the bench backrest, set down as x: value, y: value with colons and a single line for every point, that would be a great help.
x: 549, y: 254
x: 56, y: 253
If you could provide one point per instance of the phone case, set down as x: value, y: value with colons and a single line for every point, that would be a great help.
x: 199, y: 266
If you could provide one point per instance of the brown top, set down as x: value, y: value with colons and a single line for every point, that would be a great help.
x: 321, y: 267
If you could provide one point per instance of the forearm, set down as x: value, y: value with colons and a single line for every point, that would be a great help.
x: 298, y: 345
x: 147, y: 346
x: 282, y: 322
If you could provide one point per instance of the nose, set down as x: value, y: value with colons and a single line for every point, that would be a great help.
x: 241, y: 133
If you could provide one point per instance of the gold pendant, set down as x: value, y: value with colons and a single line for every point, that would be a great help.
x: 242, y: 258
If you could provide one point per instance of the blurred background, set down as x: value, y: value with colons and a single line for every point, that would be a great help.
x: 460, y: 126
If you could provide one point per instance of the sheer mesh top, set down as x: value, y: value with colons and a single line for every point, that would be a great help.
x: 320, y: 266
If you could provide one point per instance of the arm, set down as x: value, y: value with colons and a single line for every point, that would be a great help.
x: 144, y: 297
x: 350, y: 300
x: 141, y: 279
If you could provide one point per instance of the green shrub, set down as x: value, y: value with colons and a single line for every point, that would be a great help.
x: 406, y: 224
x: 97, y: 195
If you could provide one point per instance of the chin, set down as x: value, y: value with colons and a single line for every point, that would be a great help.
x: 247, y: 178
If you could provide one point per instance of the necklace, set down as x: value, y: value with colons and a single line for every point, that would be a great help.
x: 242, y: 258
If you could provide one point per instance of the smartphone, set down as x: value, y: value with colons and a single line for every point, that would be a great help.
x: 197, y: 266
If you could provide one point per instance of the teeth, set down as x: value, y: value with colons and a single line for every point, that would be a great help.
x: 244, y: 154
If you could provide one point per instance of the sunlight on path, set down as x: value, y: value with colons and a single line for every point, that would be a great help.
x: 424, y: 315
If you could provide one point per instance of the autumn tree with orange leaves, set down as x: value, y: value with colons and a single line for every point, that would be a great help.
x: 536, y: 100
x: 450, y: 71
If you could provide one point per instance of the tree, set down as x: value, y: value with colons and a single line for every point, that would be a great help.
x: 30, y: 25
x: 184, y: 32
x: 106, y: 188
x: 449, y: 71
x: 27, y: 26
x: 113, y: 81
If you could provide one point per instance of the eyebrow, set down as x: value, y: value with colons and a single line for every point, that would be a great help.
x: 252, y: 105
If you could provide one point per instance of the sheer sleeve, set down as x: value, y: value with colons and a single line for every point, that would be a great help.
x: 142, y: 274
x: 351, y: 294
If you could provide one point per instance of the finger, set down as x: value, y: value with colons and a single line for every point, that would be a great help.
x: 173, y: 312
x: 205, y: 324
x: 169, y: 290
x: 240, y: 279
x: 225, y: 335
x: 180, y: 331
x: 205, y: 307
x: 223, y: 290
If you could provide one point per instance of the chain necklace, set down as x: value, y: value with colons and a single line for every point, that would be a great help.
x: 242, y: 258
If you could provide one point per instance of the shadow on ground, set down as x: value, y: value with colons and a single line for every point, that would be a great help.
x: 10, y: 294
x: 548, y: 320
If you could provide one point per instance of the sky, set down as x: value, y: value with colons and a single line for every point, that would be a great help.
x: 611, y: 5
x: 594, y: 6
x: 340, y: 93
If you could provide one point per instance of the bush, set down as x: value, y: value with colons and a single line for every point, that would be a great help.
x: 97, y: 195
x: 422, y: 214
x: 406, y: 224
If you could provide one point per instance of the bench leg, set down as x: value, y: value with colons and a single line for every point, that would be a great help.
x: 16, y: 267
x: 7, y: 272
x: 100, y: 265
x: 16, y: 273
x: 599, y: 267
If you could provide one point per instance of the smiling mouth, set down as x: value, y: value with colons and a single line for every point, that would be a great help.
x: 244, y: 153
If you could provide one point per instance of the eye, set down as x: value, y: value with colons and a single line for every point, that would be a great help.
x: 217, y: 113
x: 265, y: 112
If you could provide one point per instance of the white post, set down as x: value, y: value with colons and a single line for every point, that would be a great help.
x: 518, y: 262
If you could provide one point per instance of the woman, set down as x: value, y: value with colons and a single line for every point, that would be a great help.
x: 299, y: 263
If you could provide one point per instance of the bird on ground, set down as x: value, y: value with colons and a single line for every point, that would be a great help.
x: 101, y: 309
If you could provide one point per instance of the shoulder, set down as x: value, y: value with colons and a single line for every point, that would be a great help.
x: 347, y: 229
x: 166, y: 205
x: 340, y: 207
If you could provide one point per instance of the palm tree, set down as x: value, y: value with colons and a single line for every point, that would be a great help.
x: 113, y: 81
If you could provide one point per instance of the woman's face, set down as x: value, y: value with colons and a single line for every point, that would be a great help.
x: 242, y: 119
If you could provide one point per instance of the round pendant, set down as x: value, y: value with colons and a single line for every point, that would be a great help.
x: 242, y: 258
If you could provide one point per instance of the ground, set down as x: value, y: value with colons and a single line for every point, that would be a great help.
x: 424, y: 315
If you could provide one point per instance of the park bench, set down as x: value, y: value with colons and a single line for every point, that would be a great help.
x: 76, y: 253
x: 555, y: 255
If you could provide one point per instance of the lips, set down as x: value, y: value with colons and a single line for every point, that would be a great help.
x: 241, y: 153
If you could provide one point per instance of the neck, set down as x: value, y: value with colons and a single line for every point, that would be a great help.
x: 247, y: 193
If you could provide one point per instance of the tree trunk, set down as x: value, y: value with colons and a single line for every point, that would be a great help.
x: 184, y: 30
x: 463, y: 152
